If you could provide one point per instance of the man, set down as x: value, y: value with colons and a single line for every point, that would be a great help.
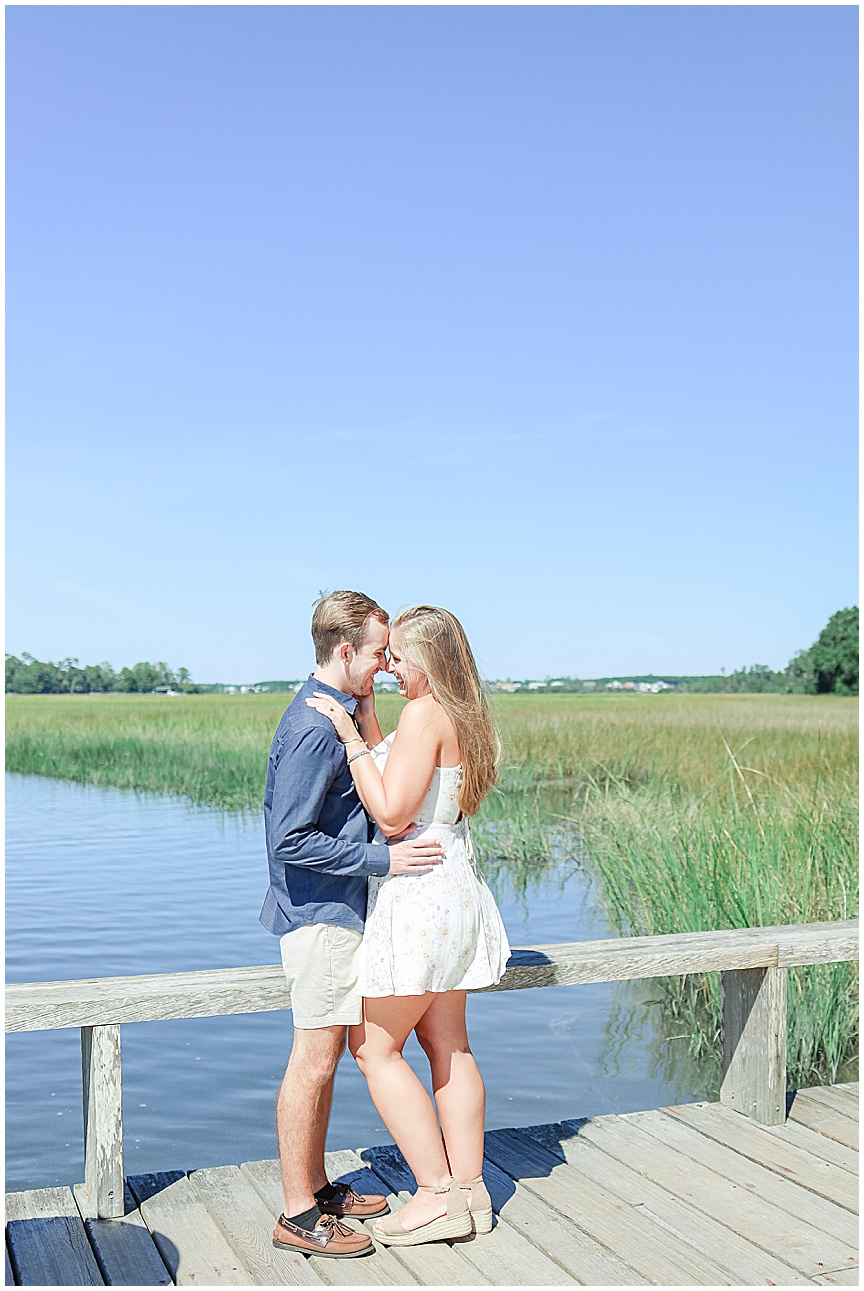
x: 320, y: 855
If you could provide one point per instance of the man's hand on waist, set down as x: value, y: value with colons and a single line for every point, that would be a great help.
x: 415, y: 855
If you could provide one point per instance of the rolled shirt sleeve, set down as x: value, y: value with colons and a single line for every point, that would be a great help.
x: 309, y: 761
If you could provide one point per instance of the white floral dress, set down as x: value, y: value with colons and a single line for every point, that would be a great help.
x: 439, y: 931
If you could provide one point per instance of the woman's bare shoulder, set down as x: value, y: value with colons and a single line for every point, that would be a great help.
x: 425, y: 717
x: 419, y: 713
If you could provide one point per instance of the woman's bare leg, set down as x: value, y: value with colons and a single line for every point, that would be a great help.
x: 460, y: 1094
x: 402, y: 1102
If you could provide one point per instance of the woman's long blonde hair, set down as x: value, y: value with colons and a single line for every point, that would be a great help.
x: 434, y: 641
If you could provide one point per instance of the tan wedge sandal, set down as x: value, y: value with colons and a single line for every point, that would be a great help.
x: 479, y: 1204
x: 456, y: 1223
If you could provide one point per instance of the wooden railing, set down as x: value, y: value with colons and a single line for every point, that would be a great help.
x: 752, y: 963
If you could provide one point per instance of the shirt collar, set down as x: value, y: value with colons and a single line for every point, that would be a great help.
x: 348, y: 702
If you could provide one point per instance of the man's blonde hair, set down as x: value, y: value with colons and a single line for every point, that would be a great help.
x: 342, y: 616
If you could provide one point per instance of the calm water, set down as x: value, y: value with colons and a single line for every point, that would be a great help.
x: 102, y: 882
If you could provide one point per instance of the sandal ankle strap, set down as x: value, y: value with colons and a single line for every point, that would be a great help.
x: 456, y: 1203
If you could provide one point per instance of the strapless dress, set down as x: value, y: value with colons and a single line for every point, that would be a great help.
x: 439, y: 931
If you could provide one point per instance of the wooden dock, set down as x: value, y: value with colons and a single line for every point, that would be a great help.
x: 682, y: 1196
x: 735, y: 1193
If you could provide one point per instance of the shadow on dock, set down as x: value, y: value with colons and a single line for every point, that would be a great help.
x: 681, y: 1196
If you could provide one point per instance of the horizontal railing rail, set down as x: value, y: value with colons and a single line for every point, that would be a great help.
x: 752, y: 963
x: 157, y: 997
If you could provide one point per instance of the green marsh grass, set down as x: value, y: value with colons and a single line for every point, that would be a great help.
x: 691, y: 812
x: 212, y: 749
x: 701, y: 812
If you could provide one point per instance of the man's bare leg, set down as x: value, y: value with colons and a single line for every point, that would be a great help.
x: 302, y: 1113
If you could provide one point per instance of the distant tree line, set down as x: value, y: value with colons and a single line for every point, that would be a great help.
x: 829, y: 667
x: 29, y: 676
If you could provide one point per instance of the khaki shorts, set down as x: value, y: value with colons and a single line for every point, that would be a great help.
x: 321, y: 963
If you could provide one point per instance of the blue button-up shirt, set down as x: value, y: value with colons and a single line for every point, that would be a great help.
x: 319, y: 845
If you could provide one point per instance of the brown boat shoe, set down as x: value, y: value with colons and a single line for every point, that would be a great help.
x: 348, y: 1202
x: 328, y: 1238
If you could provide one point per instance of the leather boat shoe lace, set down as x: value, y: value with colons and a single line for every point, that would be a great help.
x: 328, y: 1238
x: 345, y: 1201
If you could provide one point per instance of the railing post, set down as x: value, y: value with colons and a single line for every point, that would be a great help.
x: 102, y: 1191
x: 754, y: 1043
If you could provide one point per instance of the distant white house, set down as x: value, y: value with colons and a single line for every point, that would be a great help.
x: 643, y: 687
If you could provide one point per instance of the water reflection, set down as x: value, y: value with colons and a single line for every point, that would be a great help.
x: 141, y: 883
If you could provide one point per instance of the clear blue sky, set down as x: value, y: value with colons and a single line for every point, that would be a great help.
x: 545, y: 314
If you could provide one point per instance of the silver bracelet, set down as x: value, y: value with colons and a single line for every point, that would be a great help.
x: 361, y: 754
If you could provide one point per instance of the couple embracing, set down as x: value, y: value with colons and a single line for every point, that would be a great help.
x: 383, y: 917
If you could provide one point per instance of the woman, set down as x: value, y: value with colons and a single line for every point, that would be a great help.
x: 429, y: 938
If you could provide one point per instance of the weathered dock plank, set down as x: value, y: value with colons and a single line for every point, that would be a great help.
x: 246, y: 1223
x: 47, y: 1241
x: 823, y: 1119
x: 652, y: 1251
x: 806, y: 1248
x: 556, y: 1237
x: 785, y: 1159
x: 582, y: 1257
x: 190, y: 1243
x: 818, y: 1145
x: 848, y: 1090
x: 726, y: 1162
x: 835, y: 1097
x: 745, y: 1263
x: 682, y: 1196
x: 124, y: 1247
x: 506, y: 1258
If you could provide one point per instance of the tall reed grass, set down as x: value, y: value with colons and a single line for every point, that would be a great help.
x: 713, y: 812
x: 693, y: 812
x: 212, y: 749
